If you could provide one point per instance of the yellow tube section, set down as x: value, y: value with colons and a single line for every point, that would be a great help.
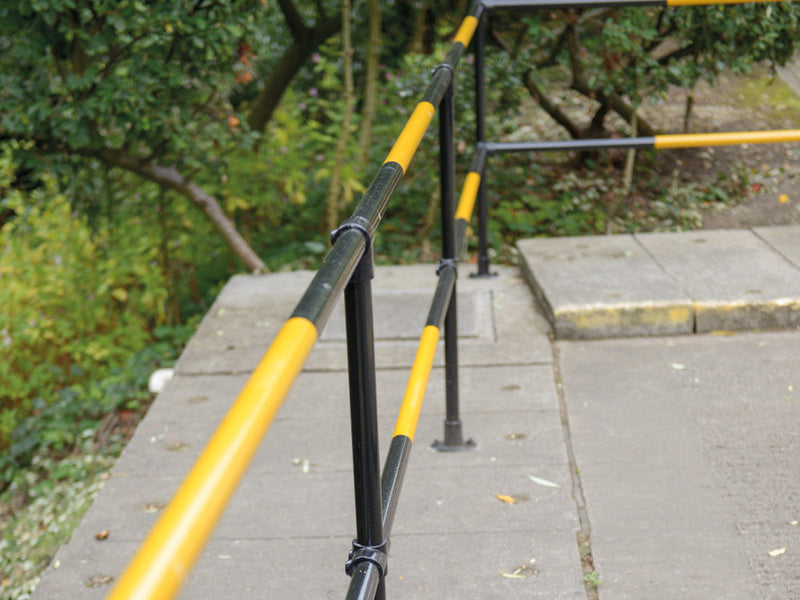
x: 466, y: 203
x: 166, y: 556
x: 708, y: 2
x: 694, y: 140
x: 406, y: 145
x: 466, y: 31
x: 417, y: 382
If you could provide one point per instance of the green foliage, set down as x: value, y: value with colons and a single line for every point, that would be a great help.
x: 557, y: 201
x: 635, y: 53
x: 592, y: 579
x: 147, y: 77
x: 78, y: 321
x: 276, y: 194
x: 64, y: 311
x: 572, y: 205
x: 736, y: 37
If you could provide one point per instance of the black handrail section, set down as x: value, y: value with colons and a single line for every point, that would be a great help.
x: 367, y: 563
x: 348, y: 268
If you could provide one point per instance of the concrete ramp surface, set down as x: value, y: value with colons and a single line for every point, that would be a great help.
x: 673, y: 459
x: 290, y: 525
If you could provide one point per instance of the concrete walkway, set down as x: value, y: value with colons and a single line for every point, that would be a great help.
x: 676, y: 459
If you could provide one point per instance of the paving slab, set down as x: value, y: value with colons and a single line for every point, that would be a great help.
x: 785, y: 240
x: 289, y: 527
x: 606, y: 286
x: 666, y: 283
x: 735, y: 279
x: 689, y: 455
x: 239, y: 327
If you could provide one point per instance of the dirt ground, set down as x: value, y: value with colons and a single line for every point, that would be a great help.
x: 759, y: 101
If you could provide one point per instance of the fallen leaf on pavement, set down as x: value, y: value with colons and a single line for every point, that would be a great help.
x: 783, y: 198
x: 303, y: 463
x: 522, y: 572
x: 101, y: 535
x: 777, y: 552
x: 505, y: 498
x: 99, y: 580
x: 543, y: 482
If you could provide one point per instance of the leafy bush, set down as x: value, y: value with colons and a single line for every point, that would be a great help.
x: 71, y: 308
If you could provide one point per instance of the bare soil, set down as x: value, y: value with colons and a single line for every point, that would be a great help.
x: 759, y: 101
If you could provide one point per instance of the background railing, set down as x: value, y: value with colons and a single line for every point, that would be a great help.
x: 165, y: 558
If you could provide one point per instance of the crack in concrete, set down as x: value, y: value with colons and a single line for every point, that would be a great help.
x: 584, y: 534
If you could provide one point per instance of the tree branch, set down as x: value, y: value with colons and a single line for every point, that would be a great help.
x: 332, y: 202
x: 169, y: 177
x: 549, y: 107
x: 370, y: 79
x: 166, y: 176
x: 557, y: 46
x: 616, y: 103
x: 293, y: 19
x: 295, y: 56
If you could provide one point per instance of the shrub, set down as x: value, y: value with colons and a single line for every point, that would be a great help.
x: 70, y: 308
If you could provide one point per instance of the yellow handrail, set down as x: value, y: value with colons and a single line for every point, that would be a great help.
x: 417, y: 382
x: 694, y: 140
x: 167, y: 555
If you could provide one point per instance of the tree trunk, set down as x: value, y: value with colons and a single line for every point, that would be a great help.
x: 371, y: 79
x: 305, y: 41
x: 417, y: 44
x: 550, y: 108
x: 332, y: 202
x: 580, y: 83
x: 613, y: 101
x: 171, y: 178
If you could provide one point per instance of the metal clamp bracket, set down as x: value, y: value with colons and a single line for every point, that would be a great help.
x: 364, y: 271
x: 443, y: 65
x: 377, y: 555
x: 447, y: 263
x: 356, y: 222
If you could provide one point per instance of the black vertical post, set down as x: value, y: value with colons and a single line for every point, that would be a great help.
x: 453, y: 437
x: 369, y: 547
x: 480, y: 137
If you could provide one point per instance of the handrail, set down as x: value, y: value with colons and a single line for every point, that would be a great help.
x: 520, y: 4
x: 658, y: 142
x: 162, y: 562
x: 165, y: 558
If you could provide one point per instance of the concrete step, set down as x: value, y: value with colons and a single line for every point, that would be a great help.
x: 666, y: 283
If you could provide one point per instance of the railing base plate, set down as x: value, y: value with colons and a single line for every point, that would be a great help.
x: 439, y: 446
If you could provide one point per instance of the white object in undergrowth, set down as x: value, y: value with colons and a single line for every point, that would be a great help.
x: 158, y: 379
